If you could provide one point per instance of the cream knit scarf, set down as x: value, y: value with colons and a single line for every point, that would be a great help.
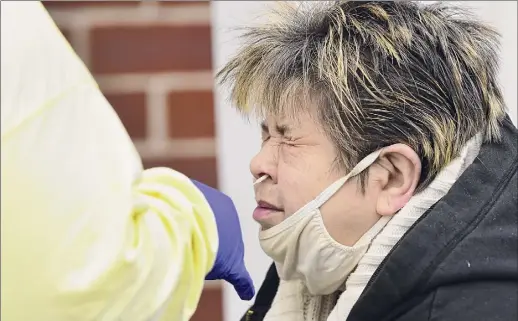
x: 293, y: 302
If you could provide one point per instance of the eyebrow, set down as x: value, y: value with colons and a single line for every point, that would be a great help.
x: 281, y: 129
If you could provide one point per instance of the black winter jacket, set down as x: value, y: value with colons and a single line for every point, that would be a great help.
x: 459, y: 262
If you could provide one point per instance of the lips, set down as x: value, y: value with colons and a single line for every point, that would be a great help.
x: 263, y: 213
x: 268, y: 206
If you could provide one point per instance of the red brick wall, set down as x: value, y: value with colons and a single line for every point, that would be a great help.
x: 152, y: 61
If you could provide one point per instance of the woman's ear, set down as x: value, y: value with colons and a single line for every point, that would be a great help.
x: 402, y: 170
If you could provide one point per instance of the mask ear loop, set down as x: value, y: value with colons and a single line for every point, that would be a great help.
x: 260, y: 179
x: 360, y: 167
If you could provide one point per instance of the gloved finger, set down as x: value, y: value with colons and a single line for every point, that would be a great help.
x: 243, y: 284
x: 215, y: 273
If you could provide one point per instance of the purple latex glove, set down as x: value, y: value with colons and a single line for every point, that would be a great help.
x: 229, y: 265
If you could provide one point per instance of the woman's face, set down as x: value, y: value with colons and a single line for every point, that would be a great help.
x: 300, y: 161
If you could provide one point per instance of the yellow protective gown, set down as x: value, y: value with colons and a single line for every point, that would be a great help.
x: 86, y: 234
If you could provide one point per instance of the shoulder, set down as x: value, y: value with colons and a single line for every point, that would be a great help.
x: 468, y: 301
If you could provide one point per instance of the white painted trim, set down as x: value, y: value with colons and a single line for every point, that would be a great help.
x: 237, y: 142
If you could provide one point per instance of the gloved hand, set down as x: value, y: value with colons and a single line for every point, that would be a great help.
x: 229, y: 265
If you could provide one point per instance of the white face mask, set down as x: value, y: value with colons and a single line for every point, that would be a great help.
x: 302, y: 248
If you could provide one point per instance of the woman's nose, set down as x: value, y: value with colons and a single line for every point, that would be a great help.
x: 264, y: 163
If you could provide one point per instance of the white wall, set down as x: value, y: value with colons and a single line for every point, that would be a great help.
x: 502, y: 15
x: 238, y: 141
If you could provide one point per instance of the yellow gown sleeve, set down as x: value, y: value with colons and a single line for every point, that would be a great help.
x: 86, y: 234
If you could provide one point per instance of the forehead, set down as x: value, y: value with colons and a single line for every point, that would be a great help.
x: 299, y: 111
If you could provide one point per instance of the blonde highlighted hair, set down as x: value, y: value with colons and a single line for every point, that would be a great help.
x: 380, y: 72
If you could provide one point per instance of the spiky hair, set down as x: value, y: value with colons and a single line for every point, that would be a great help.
x: 378, y: 72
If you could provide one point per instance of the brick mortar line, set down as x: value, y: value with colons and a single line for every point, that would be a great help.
x: 161, y: 82
x: 212, y: 284
x: 176, y: 148
x: 191, y: 15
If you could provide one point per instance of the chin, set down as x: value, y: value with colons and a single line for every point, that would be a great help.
x: 271, y: 220
x: 265, y: 226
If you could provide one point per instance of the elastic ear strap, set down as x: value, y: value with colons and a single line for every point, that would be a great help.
x: 365, y: 163
x: 360, y: 167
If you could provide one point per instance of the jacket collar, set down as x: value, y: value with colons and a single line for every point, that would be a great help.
x: 469, y: 199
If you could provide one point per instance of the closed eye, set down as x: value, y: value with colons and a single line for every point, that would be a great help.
x: 288, y: 144
x: 289, y: 140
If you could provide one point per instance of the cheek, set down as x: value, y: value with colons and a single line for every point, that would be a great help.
x: 302, y: 174
x: 297, y: 158
x: 295, y: 188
